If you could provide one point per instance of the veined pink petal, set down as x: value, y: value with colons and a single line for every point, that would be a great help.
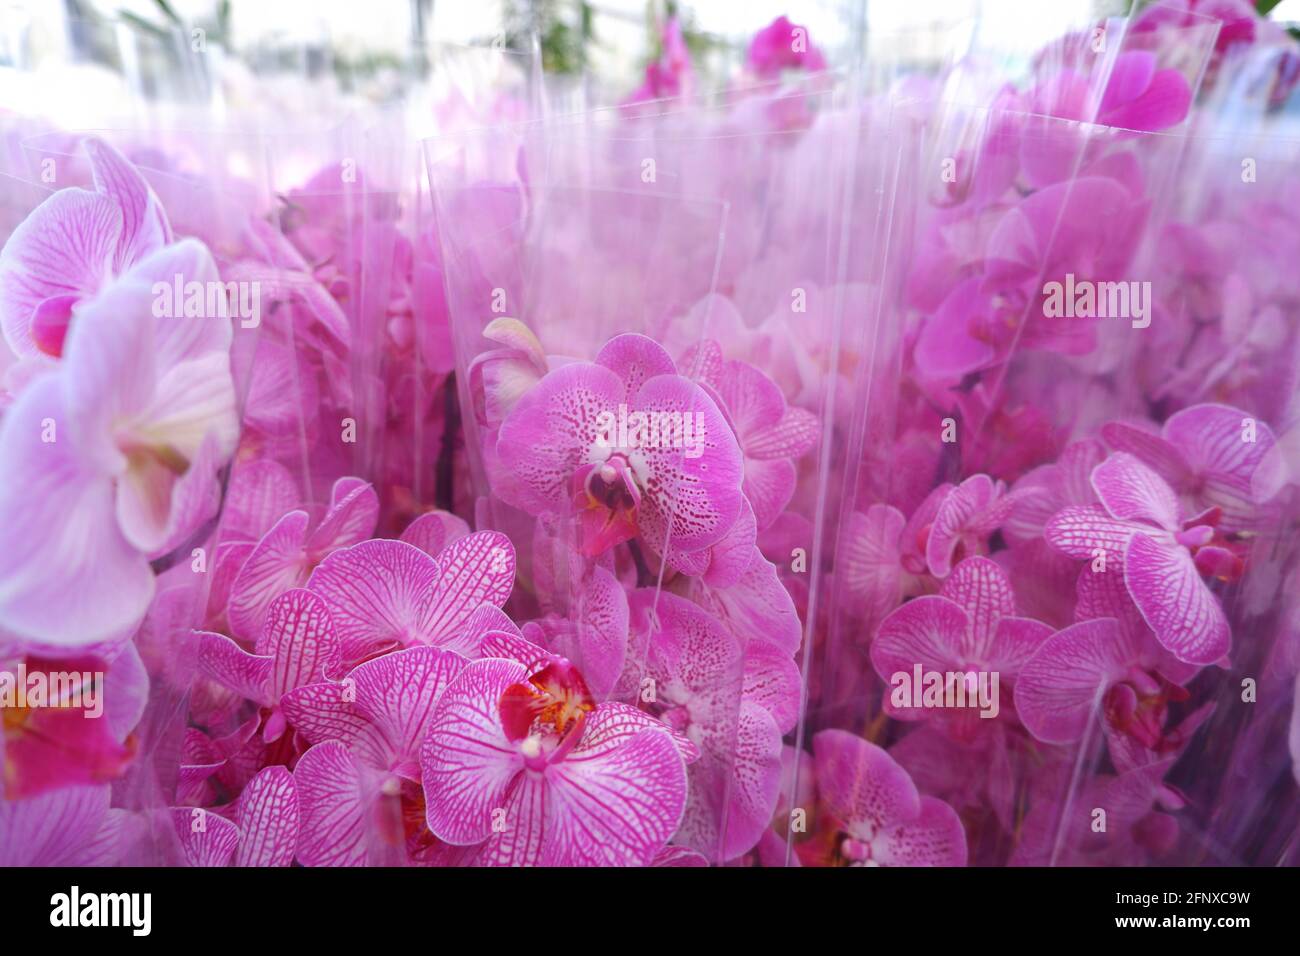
x: 468, y: 762
x: 397, y: 693
x: 353, y: 513
x: 207, y: 839
x: 1130, y: 490
x: 1060, y: 689
x: 1186, y: 617
x: 929, y: 630
x: 276, y: 565
x: 968, y: 512
x: 64, y: 247
x: 1223, y: 447
x: 769, y: 486
x: 1082, y: 531
x: 144, y: 223
x: 1015, y: 641
x: 758, y: 606
x: 1150, y: 447
x: 616, y: 806
x: 795, y: 435
x: 474, y: 570
x: 225, y: 662
x: 517, y: 840
x: 260, y: 491
x: 52, y: 829
x: 319, y: 712
x: 612, y: 723
x: 332, y: 807
x: 753, y: 401
x: 981, y: 588
x: 299, y: 637
x: 267, y: 816
x: 870, y: 558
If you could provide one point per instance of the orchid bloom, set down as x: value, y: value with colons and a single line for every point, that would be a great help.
x: 565, y: 443
x: 1209, y: 455
x: 385, y: 594
x: 970, y: 626
x: 73, y: 826
x: 72, y: 247
x: 878, y: 815
x: 782, y: 45
x: 1140, y: 526
x: 733, y: 701
x: 126, y: 433
x: 263, y: 832
x: 523, y: 767
x: 359, y: 783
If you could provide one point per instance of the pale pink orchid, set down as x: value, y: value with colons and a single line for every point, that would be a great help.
x: 73, y: 826
x: 1140, y: 526
x: 127, y: 432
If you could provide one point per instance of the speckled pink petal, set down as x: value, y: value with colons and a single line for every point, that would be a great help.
x: 267, y: 817
x: 689, y: 501
x: 981, y: 588
x: 635, y: 359
x: 772, y: 682
x: 551, y: 431
x: 1130, y: 490
x: 1185, y: 616
x: 758, y: 606
x: 468, y: 762
x: 795, y: 435
x: 935, y: 838
x: 1060, y: 689
x: 862, y: 786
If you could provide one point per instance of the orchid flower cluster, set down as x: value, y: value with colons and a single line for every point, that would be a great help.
x: 829, y: 473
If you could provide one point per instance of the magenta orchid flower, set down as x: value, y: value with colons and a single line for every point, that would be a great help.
x: 969, y: 627
x: 385, y: 594
x: 298, y: 645
x: 262, y: 829
x: 359, y: 783
x: 521, y: 765
x: 782, y: 45
x: 732, y: 701
x: 1140, y: 526
x: 566, y: 442
x: 1208, y: 454
x: 878, y: 814
x: 287, y: 554
x: 964, y: 520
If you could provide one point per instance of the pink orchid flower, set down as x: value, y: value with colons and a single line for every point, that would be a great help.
x: 1209, y: 455
x: 287, y: 554
x: 120, y: 435
x: 969, y: 627
x: 733, y: 701
x: 262, y: 829
x: 964, y: 520
x: 359, y: 783
x: 524, y: 768
x: 782, y: 45
x: 879, y: 817
x: 298, y: 645
x: 1140, y: 526
x: 557, y: 442
x: 1108, y: 663
x: 73, y: 246
x: 385, y: 594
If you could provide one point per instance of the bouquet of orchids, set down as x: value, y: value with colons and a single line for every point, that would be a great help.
x: 844, y: 467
